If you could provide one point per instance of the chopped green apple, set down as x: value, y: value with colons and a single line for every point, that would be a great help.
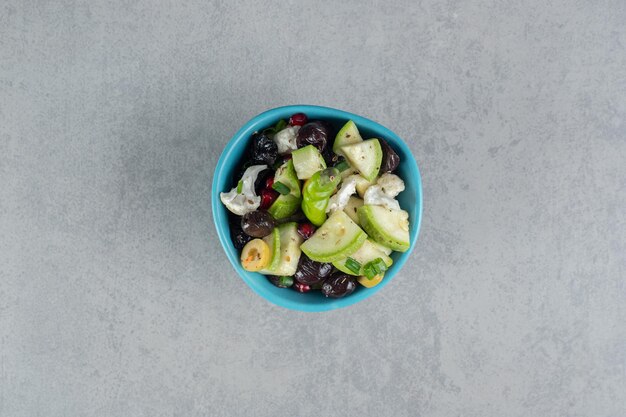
x: 388, y: 227
x: 307, y: 161
x: 348, y: 135
x: 337, y: 238
x: 365, y: 156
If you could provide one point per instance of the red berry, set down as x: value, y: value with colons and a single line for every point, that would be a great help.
x: 267, y: 198
x: 306, y: 230
x: 301, y: 287
x: 269, y: 182
x: 298, y: 119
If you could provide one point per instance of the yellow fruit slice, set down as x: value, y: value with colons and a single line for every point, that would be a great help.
x: 255, y: 255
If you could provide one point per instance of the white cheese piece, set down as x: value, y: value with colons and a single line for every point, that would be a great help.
x: 391, y: 184
x: 247, y: 200
x: 286, y: 139
x: 375, y: 196
x: 339, y: 201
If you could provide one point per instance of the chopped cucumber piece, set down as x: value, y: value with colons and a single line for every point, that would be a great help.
x: 284, y: 206
x: 351, y: 209
x: 273, y: 241
x: 281, y: 188
x: 365, y: 156
x: 367, y: 253
x: 288, y: 253
x: 307, y: 161
x: 388, y: 227
x: 338, y: 238
x: 348, y: 135
x: 286, y: 174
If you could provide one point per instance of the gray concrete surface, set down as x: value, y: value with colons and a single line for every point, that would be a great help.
x: 116, y: 298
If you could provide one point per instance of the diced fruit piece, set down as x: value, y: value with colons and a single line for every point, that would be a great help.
x: 369, y: 283
x: 306, y: 230
x: 298, y: 119
x: 267, y: 198
x: 284, y: 206
x: 351, y: 208
x: 307, y: 161
x: 366, y: 253
x: 316, y: 194
x: 338, y: 238
x: 255, y: 255
x: 388, y: 227
x: 338, y: 285
x: 365, y: 156
x: 286, y: 175
x: 273, y: 241
x: 289, y: 252
x: 348, y: 135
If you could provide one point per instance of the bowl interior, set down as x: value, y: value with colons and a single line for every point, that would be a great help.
x: 223, y: 181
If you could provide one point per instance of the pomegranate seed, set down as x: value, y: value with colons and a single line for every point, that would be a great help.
x: 301, y: 287
x: 269, y: 182
x: 306, y: 230
x: 267, y: 198
x: 298, y: 119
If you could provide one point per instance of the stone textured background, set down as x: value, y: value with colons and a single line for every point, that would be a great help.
x: 116, y: 298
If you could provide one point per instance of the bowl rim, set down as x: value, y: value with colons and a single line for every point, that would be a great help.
x: 219, y: 216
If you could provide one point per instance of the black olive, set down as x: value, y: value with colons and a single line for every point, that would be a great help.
x: 314, y: 133
x: 262, y: 150
x: 391, y: 160
x: 239, y: 237
x: 310, y: 272
x: 259, y: 184
x: 330, y: 157
x: 339, y: 285
x: 257, y: 223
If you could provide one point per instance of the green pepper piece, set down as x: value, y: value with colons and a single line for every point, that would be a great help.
x: 316, y: 193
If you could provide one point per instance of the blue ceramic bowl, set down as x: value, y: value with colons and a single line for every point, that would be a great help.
x: 410, y: 200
